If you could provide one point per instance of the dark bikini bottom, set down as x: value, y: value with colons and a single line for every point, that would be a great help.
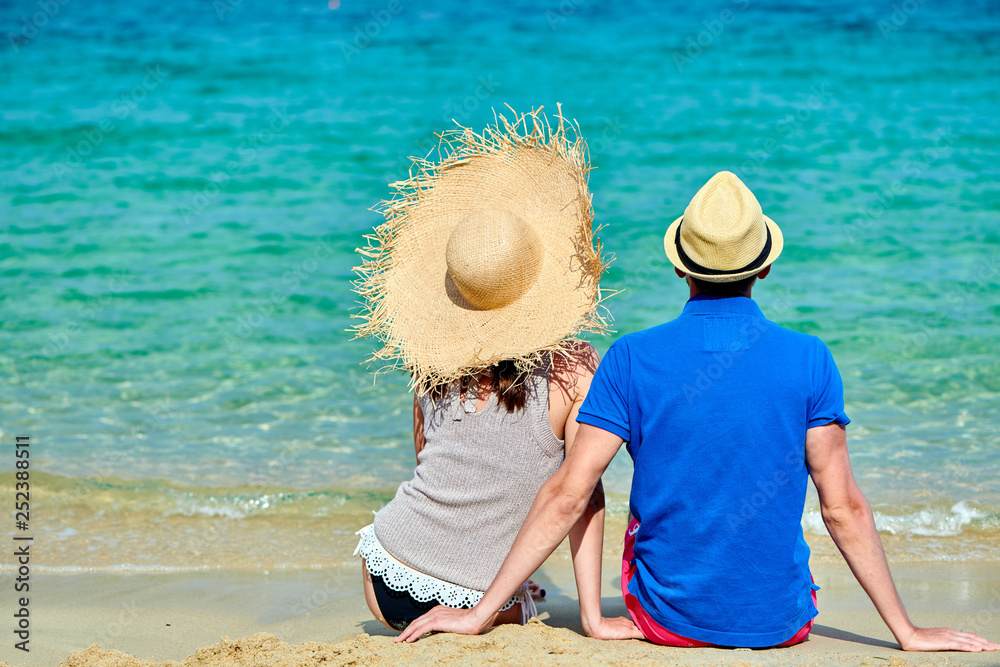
x: 399, y: 608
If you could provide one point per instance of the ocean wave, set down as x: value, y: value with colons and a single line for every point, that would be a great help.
x: 239, y: 505
x: 85, y: 498
x: 934, y: 522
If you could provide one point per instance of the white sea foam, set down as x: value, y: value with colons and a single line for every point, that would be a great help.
x: 210, y: 507
x: 228, y: 507
x: 925, y: 522
x: 243, y: 505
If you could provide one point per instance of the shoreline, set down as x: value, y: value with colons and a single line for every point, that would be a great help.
x: 150, y: 619
x: 119, y: 525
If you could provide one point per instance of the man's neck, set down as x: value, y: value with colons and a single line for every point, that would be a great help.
x: 697, y: 292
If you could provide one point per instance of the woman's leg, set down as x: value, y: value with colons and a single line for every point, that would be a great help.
x: 512, y: 615
x: 370, y: 595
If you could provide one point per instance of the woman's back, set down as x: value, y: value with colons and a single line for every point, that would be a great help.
x: 477, y: 476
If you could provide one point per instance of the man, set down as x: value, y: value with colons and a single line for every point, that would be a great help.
x: 726, y: 415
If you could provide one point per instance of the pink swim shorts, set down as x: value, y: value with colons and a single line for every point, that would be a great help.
x: 652, y: 630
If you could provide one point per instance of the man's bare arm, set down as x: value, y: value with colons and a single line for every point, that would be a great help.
x: 558, y: 505
x: 849, y: 519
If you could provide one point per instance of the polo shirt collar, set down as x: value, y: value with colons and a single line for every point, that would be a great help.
x: 712, y: 305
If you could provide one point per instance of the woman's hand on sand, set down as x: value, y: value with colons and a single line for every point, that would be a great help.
x: 618, y: 627
x: 946, y: 639
x: 445, y: 619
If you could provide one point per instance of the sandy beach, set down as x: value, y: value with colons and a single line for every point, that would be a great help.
x: 312, y: 617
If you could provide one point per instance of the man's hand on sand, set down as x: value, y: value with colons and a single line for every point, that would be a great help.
x: 445, y: 619
x: 946, y: 639
x: 465, y: 622
x: 618, y: 627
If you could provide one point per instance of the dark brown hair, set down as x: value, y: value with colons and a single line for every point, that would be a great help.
x: 510, y: 393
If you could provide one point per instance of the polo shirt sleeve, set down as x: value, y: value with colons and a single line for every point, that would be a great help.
x: 826, y: 405
x: 606, y: 405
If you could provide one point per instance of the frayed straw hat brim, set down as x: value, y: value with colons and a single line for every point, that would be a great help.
x: 412, y: 305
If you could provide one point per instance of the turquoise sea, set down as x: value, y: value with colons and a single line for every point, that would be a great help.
x: 183, y: 186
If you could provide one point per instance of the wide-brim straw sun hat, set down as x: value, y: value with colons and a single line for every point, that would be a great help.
x: 723, y: 235
x: 486, y: 254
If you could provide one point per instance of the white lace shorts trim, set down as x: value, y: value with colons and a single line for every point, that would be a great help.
x: 424, y: 587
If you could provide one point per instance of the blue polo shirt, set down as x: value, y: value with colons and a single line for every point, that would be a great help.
x: 715, y: 406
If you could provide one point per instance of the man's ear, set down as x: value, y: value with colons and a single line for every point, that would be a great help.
x: 682, y: 275
x: 763, y: 274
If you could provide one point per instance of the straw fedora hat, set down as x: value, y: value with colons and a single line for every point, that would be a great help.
x: 486, y: 255
x: 723, y: 235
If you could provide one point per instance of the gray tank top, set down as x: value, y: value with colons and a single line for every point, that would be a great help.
x: 475, y: 481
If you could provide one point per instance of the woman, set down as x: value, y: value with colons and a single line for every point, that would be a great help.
x: 483, y: 272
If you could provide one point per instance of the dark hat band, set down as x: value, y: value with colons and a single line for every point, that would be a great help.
x: 695, y: 267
